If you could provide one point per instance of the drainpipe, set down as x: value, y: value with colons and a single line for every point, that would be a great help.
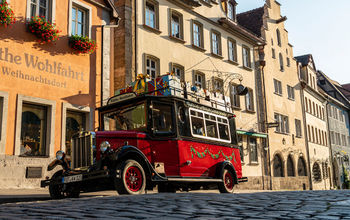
x: 305, y: 133
x: 102, y: 50
x: 135, y: 23
x: 330, y: 145
x: 262, y: 64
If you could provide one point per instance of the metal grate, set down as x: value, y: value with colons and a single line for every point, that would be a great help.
x: 82, y: 150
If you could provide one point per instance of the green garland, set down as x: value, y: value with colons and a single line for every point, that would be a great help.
x: 203, y: 154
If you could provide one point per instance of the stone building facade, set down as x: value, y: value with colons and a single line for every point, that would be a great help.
x: 47, y: 91
x: 339, y: 131
x: 316, y: 125
x: 201, y: 43
x: 280, y: 99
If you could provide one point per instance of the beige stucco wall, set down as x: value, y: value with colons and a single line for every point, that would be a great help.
x: 318, y: 153
x: 282, y: 144
x: 168, y: 50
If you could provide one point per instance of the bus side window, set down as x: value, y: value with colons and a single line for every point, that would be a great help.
x: 182, y: 118
x: 162, y: 119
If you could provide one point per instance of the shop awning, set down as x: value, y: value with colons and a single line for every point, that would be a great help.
x: 253, y: 134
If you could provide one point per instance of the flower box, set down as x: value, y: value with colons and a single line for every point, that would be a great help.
x: 6, y: 14
x: 82, y: 44
x: 43, y: 29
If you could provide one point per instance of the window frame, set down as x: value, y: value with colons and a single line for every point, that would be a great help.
x: 51, y: 110
x: 200, y: 34
x: 233, y: 14
x: 180, y: 23
x: 232, y: 50
x: 157, y: 64
x: 156, y: 14
x: 218, y: 42
x: 278, y: 35
x: 291, y: 92
x: 251, y: 150
x: 88, y: 19
x: 298, y: 128
x: 246, y: 58
x: 51, y: 13
x: 66, y: 107
x: 281, y: 62
x: 234, y: 97
x: 203, y: 79
x: 251, y: 99
x: 4, y: 96
x: 278, y: 87
x: 178, y: 66
x: 205, y: 126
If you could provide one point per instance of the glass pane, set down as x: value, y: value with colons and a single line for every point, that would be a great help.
x: 75, y: 122
x: 197, y: 126
x: 33, y: 130
x: 32, y: 10
x: 211, y: 129
x: 80, y: 16
x: 127, y: 118
x: 74, y: 12
x: 224, y: 132
x: 43, y: 3
x: 79, y: 29
x: 162, y: 119
x: 42, y: 11
x: 73, y: 28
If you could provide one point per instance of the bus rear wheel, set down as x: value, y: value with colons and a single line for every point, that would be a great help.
x: 227, y: 184
x: 132, y: 179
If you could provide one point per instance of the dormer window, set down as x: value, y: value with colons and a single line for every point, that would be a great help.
x: 231, y: 10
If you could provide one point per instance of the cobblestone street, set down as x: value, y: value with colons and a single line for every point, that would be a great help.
x: 262, y: 205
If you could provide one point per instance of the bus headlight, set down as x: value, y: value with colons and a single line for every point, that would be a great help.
x: 104, y: 146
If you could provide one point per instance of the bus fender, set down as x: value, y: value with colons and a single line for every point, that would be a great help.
x: 226, y: 165
x: 131, y: 152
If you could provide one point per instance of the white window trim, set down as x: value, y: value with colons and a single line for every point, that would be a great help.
x: 5, y: 97
x: 80, y: 109
x: 52, y: 10
x: 51, y: 110
x: 85, y: 6
x: 205, y: 126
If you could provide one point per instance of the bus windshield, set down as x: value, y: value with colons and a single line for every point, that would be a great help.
x: 128, y: 118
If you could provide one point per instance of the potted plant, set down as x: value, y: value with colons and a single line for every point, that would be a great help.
x: 82, y: 44
x: 6, y: 14
x: 43, y: 29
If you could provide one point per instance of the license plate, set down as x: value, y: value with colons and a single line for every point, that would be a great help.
x: 71, y: 179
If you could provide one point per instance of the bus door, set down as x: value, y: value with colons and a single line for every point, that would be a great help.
x: 164, y: 144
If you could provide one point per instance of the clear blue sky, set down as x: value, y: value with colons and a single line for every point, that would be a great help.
x: 318, y: 27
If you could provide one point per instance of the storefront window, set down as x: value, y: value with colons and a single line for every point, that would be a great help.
x: 75, y: 122
x: 33, y: 130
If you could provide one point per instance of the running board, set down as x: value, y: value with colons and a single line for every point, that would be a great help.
x: 194, y: 180
x: 243, y: 180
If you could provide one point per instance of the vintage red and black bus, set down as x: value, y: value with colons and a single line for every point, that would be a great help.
x: 157, y: 133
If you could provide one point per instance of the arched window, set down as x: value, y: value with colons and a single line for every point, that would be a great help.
x: 290, y: 166
x: 281, y: 62
x: 316, y: 172
x: 277, y: 166
x: 301, y: 167
x: 278, y: 37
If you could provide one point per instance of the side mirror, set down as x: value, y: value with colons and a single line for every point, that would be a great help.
x: 241, y: 90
